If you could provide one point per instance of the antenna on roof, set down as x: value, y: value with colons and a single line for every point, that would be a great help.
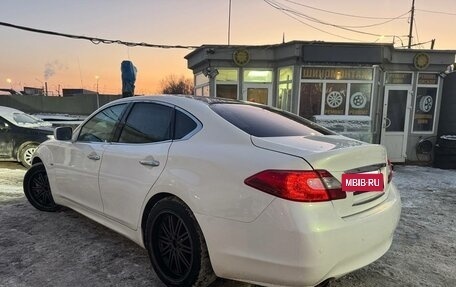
x: 283, y: 38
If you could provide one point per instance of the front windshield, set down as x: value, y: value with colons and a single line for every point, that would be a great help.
x: 22, y: 118
x: 26, y: 120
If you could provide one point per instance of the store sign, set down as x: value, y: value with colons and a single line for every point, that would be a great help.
x: 321, y: 73
x: 241, y: 57
x: 428, y: 79
x: 399, y: 78
x: 421, y: 61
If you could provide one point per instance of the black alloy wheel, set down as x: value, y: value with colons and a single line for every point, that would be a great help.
x: 37, y: 188
x: 176, y: 245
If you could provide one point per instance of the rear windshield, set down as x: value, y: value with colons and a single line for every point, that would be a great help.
x: 263, y: 121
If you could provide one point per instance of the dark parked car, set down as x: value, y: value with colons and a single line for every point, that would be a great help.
x: 20, y: 135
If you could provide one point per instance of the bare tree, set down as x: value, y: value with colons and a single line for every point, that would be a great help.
x: 174, y: 85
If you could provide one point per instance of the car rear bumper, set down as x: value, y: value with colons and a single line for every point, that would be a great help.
x: 296, y: 244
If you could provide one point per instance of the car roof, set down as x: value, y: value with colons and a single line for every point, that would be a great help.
x: 178, y: 99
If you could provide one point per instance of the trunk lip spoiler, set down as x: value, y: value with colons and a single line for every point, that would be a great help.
x: 367, y: 168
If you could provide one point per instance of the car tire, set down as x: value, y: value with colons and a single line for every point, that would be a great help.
x: 37, y: 188
x: 176, y: 245
x: 26, y: 153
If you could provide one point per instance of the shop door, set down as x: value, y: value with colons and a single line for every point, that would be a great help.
x: 258, y: 93
x: 395, y: 124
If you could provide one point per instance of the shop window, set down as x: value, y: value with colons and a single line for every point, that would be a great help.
x: 202, y: 91
x: 201, y: 85
x: 201, y: 79
x: 258, y: 95
x: 227, y: 75
x: 206, y: 91
x: 257, y: 76
x: 310, y: 99
x: 284, y: 97
x: 227, y: 83
x: 227, y: 91
x: 423, y: 120
x: 360, y: 99
x: 335, y: 98
x: 285, y: 84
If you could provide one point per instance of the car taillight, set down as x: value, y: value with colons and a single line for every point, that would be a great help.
x: 297, y: 185
x: 390, y: 171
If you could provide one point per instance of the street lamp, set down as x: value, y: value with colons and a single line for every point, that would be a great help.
x: 98, y: 95
x: 8, y: 80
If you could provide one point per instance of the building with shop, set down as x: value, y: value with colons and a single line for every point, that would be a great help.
x: 371, y: 92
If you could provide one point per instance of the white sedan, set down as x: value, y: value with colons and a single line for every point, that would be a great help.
x: 214, y: 187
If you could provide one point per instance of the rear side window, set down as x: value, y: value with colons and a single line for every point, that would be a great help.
x: 263, y: 121
x: 184, y: 125
x: 147, y: 123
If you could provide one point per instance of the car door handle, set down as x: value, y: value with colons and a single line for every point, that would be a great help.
x: 152, y: 162
x: 93, y: 156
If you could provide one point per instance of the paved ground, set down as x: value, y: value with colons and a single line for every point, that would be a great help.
x: 66, y: 249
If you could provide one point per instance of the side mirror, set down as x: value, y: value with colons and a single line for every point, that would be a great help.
x: 4, y: 126
x: 63, y: 133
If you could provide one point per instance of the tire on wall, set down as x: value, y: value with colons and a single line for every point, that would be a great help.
x: 176, y: 245
x: 26, y: 153
x: 37, y: 188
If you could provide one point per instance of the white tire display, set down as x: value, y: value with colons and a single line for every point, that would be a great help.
x: 426, y: 103
x: 358, y: 100
x: 334, y: 99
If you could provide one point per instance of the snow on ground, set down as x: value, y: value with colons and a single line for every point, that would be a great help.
x: 11, y: 183
x: 67, y: 249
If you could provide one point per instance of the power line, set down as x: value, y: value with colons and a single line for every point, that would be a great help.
x: 277, y: 6
x: 343, y: 14
x: 379, y: 24
x: 311, y: 26
x: 313, y: 19
x: 436, y: 12
x: 96, y: 40
x: 416, y: 32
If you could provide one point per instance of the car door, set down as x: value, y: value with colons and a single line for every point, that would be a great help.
x: 77, y: 163
x: 131, y: 166
x: 6, y: 140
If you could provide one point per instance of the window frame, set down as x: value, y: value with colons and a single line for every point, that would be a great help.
x: 129, y: 108
x: 198, y: 127
x: 285, y: 82
x: 78, y: 130
x: 324, y: 83
x: 122, y: 123
x: 228, y: 82
x: 437, y: 90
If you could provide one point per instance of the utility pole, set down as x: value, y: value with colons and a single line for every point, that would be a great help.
x: 229, y: 22
x: 411, y: 24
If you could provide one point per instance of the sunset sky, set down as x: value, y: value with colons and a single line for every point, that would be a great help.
x: 30, y: 59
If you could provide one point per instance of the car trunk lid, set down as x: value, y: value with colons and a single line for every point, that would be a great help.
x: 338, y: 155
